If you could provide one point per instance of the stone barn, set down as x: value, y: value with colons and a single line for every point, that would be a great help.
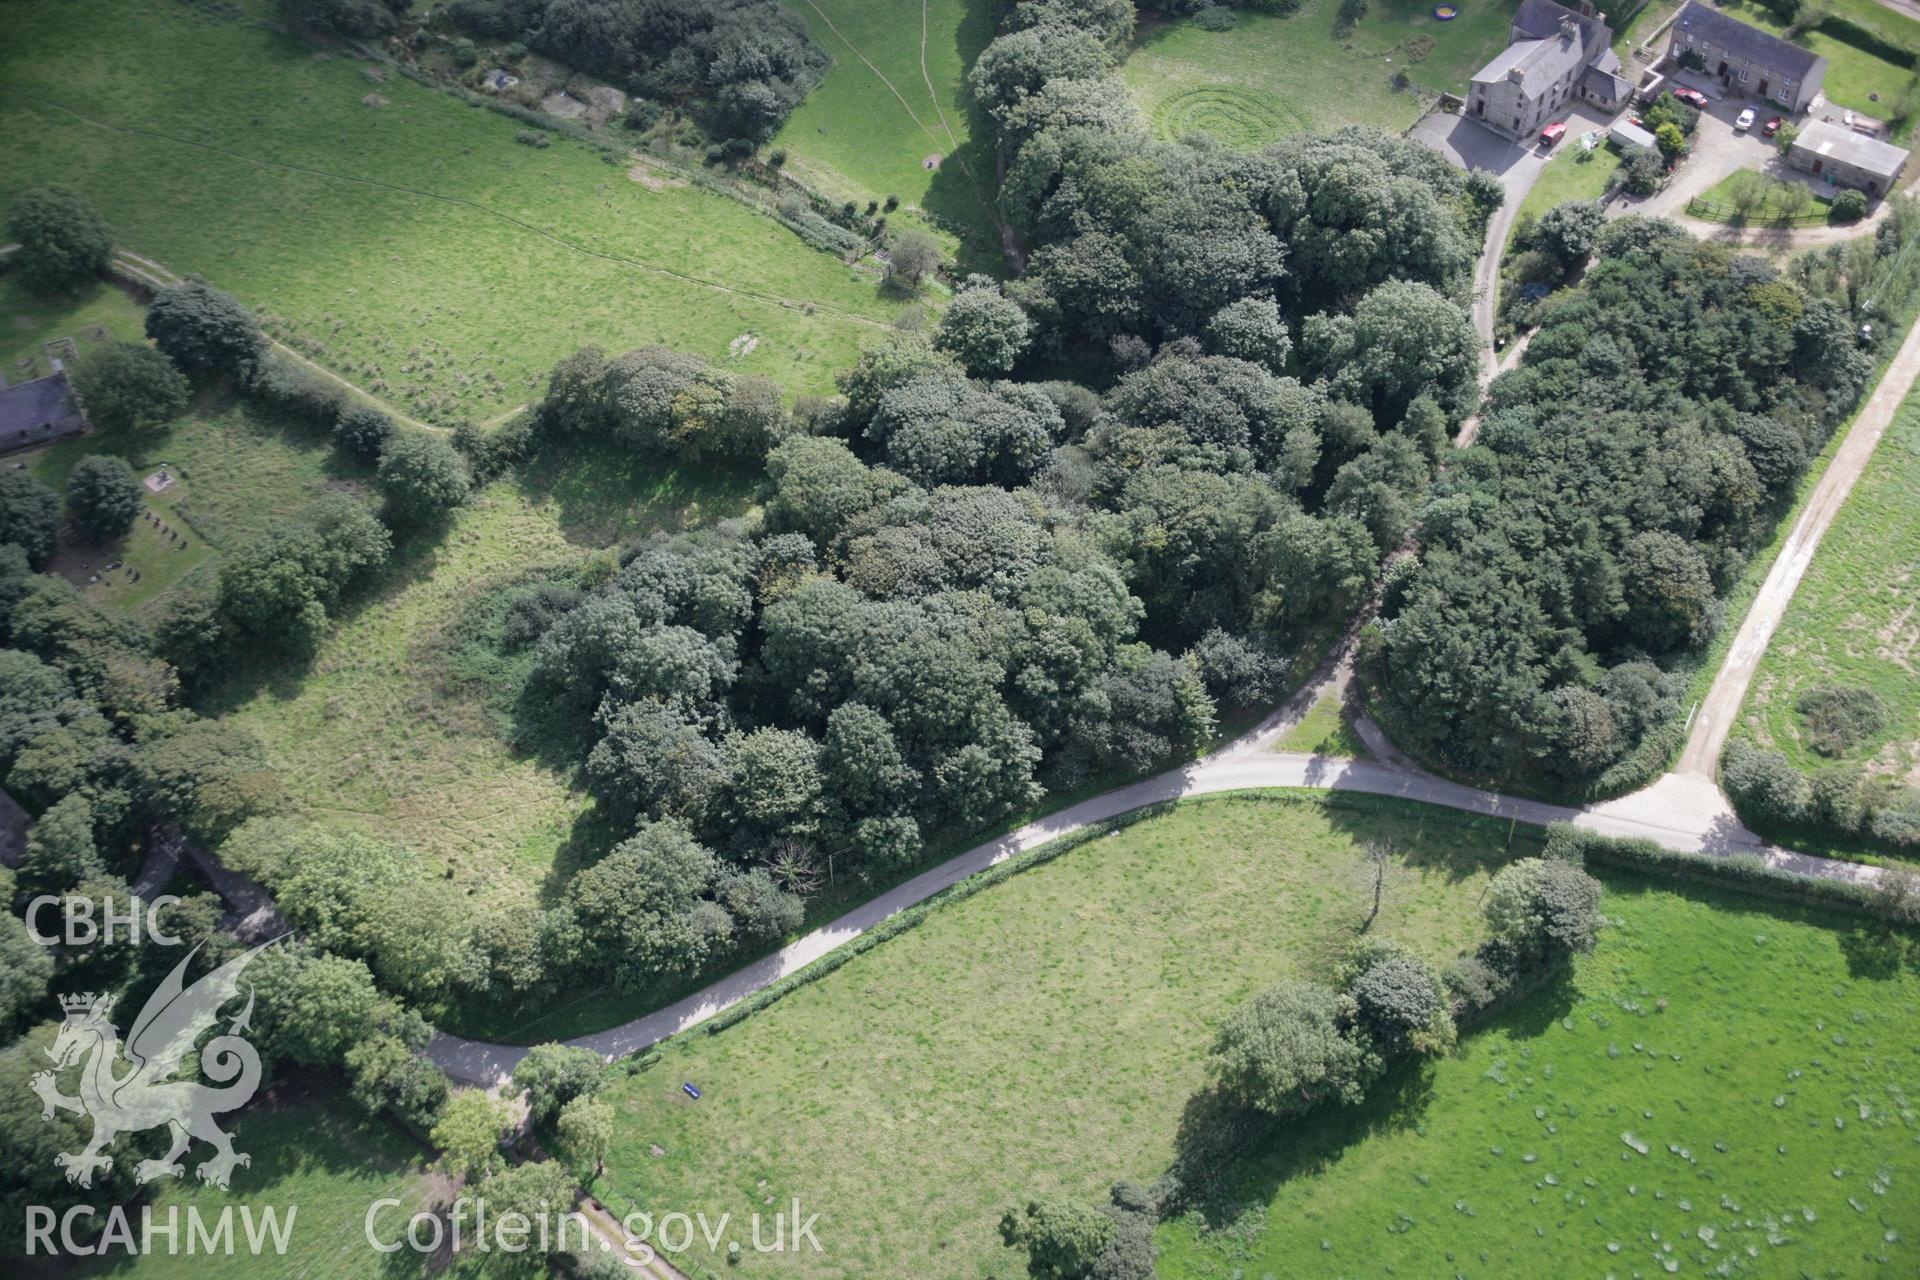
x: 1847, y: 158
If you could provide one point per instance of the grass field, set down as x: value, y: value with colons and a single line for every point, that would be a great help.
x: 315, y: 1154
x: 1723, y: 201
x: 1853, y: 620
x: 1270, y: 77
x: 1761, y: 1058
x: 1323, y: 731
x: 423, y: 759
x: 1042, y: 1035
x: 895, y: 99
x: 413, y: 246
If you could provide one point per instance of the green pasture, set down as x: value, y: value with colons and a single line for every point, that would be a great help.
x: 314, y: 1156
x: 1043, y: 1035
x: 894, y: 103
x: 391, y: 231
x: 1723, y: 1088
x: 1853, y: 619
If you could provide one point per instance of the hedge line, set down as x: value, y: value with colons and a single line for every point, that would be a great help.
x: 895, y: 925
x: 1745, y: 872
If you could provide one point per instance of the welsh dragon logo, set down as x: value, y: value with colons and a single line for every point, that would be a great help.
x: 146, y: 1096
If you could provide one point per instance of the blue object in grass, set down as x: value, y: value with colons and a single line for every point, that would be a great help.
x: 692, y: 1091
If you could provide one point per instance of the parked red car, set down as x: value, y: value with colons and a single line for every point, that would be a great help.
x: 1772, y: 126
x: 1692, y: 97
x: 1553, y: 133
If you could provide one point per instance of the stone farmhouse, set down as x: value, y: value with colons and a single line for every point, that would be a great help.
x: 1747, y: 61
x: 1557, y: 54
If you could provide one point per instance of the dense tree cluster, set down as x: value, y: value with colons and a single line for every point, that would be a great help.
x: 665, y: 403
x: 129, y: 386
x: 1064, y: 1240
x: 742, y: 65
x: 63, y: 242
x: 1662, y: 413
x: 1140, y: 238
x: 103, y: 496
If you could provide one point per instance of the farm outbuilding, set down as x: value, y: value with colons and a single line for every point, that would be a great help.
x: 1630, y: 137
x: 1848, y: 158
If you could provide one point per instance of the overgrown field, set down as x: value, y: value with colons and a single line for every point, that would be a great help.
x: 391, y: 231
x: 1726, y: 1088
x: 1270, y: 77
x: 385, y: 731
x: 1854, y: 621
x: 895, y: 101
x: 1041, y: 1036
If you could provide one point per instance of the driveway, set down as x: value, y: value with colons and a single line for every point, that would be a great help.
x: 1471, y: 145
x: 1717, y: 152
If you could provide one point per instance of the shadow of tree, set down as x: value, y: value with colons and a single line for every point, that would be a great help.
x: 602, y: 492
x: 1230, y: 1162
x: 1879, y: 952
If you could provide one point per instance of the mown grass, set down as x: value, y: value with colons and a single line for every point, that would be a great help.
x: 1270, y: 77
x: 1853, y: 620
x: 1770, y: 196
x: 314, y: 1156
x: 1762, y: 1054
x: 414, y: 247
x: 1574, y: 174
x: 1043, y: 1035
x: 881, y: 113
x: 1323, y: 731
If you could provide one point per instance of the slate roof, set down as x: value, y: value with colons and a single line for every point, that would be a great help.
x: 1605, y: 86
x: 1540, y: 51
x: 1541, y: 63
x: 28, y: 410
x: 1700, y: 23
x: 1836, y: 142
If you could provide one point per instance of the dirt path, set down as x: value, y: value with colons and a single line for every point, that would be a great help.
x: 146, y: 271
x: 1721, y: 707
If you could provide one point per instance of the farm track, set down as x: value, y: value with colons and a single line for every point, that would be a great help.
x: 145, y: 271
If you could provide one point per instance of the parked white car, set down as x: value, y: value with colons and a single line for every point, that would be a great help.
x: 1745, y: 121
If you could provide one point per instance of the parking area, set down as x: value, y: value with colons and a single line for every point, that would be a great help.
x: 1718, y: 150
